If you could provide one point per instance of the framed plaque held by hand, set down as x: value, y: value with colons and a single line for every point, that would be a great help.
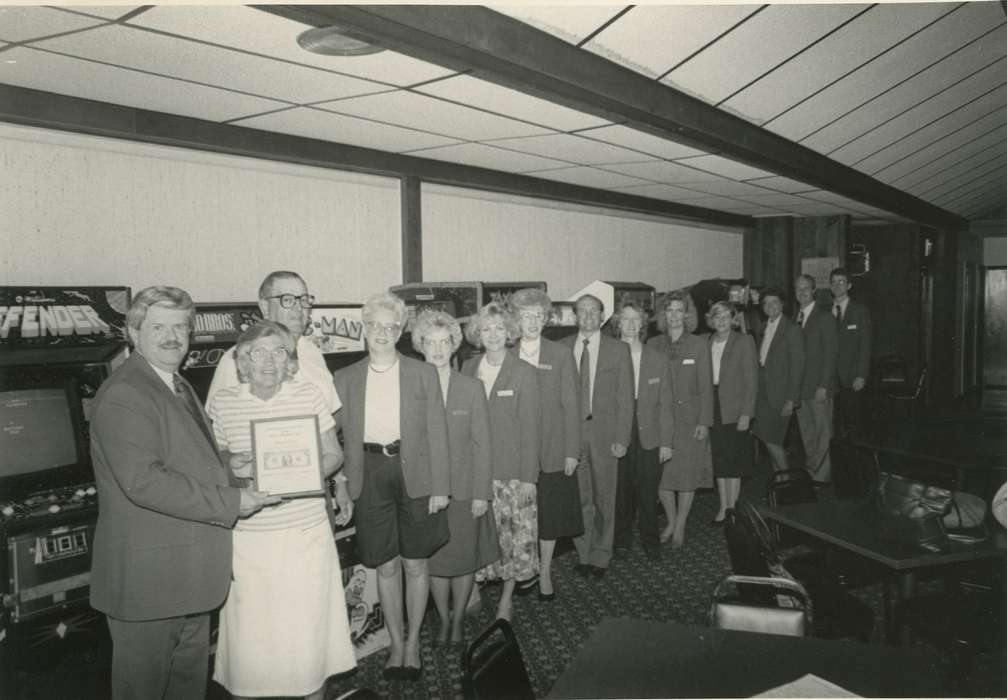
x: 288, y: 456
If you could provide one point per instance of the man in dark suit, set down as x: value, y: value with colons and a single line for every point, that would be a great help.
x: 814, y: 414
x: 606, y: 391
x: 853, y: 357
x: 162, y: 549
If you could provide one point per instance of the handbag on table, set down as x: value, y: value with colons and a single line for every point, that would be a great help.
x: 912, y: 512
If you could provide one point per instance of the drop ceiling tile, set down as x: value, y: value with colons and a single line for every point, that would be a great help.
x: 938, y: 40
x: 669, y: 192
x: 729, y: 188
x: 719, y: 203
x: 983, y: 191
x: 781, y: 184
x: 651, y: 39
x: 511, y: 103
x: 569, y: 23
x: 259, y: 32
x: 725, y: 167
x: 773, y: 200
x: 979, y: 174
x: 744, y: 54
x: 816, y: 210
x: 28, y: 23
x: 416, y: 111
x: 833, y: 198
x: 950, y: 83
x: 484, y: 156
x: 103, y: 11
x: 589, y: 177
x: 934, y: 169
x: 852, y: 45
x: 210, y: 65
x: 955, y: 167
x: 572, y: 148
x: 41, y: 70
x: 319, y: 124
x: 629, y: 137
x: 664, y: 171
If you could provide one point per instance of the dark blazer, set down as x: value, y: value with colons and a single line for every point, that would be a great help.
x: 854, y: 357
x: 560, y: 409
x: 780, y: 378
x: 655, y: 405
x: 819, y: 353
x: 691, y: 380
x: 612, y: 393
x: 739, y: 377
x: 515, y: 420
x: 469, y: 439
x: 423, y: 427
x: 162, y: 547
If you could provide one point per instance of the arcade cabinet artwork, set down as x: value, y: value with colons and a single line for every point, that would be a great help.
x: 57, y: 345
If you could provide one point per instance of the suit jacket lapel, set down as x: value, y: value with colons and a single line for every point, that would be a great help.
x: 358, y: 387
x: 503, y: 378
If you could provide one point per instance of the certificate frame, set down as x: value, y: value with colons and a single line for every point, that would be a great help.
x: 287, y: 456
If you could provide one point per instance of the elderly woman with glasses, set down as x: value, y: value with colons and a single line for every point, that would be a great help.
x: 473, y: 542
x: 512, y: 389
x: 284, y: 553
x: 395, y: 437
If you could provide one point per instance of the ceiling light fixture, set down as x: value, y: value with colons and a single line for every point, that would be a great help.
x: 337, y: 41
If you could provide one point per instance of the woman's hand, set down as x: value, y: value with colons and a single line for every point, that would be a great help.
x: 479, y: 507
x: 664, y: 454
x: 788, y: 409
x: 743, y: 423
x: 618, y: 450
x: 241, y: 464
x: 437, y: 503
x: 344, y: 503
x: 570, y: 465
x: 700, y: 432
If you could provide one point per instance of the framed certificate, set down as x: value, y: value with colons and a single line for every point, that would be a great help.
x: 288, y: 456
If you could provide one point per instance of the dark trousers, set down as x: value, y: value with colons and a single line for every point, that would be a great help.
x: 638, y: 479
x: 166, y: 659
x: 850, y: 407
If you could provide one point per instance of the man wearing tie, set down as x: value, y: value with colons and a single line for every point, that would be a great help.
x: 605, y: 378
x: 853, y: 357
x: 814, y: 413
x: 162, y: 548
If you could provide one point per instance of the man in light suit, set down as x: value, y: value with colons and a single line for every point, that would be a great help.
x: 162, y: 549
x: 605, y: 375
x: 853, y: 357
x: 814, y: 414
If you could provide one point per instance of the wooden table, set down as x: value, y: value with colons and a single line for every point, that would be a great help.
x: 628, y: 658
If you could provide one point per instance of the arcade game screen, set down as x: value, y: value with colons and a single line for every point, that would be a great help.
x: 36, y: 431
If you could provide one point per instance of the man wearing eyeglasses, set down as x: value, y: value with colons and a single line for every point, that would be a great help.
x: 284, y: 298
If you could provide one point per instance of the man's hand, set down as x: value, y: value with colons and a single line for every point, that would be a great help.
x: 437, y: 503
x: 859, y: 383
x: 664, y: 454
x: 241, y: 464
x: 253, y: 501
x: 618, y: 450
x: 344, y: 503
x: 788, y: 409
x: 479, y: 507
x: 743, y: 423
x: 700, y: 432
x: 570, y: 465
x: 821, y: 394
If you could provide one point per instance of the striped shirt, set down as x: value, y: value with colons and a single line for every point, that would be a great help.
x: 232, y: 410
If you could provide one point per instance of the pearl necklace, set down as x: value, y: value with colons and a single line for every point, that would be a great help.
x: 382, y: 371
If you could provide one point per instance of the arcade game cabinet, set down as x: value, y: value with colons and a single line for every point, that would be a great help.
x: 58, y: 346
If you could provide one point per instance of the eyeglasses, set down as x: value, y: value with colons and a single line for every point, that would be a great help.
x: 531, y: 316
x: 388, y: 328
x: 287, y: 301
x: 442, y: 343
x: 259, y: 355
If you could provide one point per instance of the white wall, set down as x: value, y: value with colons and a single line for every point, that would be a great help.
x: 86, y: 210
x: 995, y: 245
x: 468, y: 235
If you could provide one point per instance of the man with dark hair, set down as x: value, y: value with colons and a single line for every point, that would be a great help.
x: 814, y: 413
x: 162, y: 548
x: 853, y: 356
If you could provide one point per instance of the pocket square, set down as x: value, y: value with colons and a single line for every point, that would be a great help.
x: 689, y: 361
x: 459, y: 412
x: 543, y: 366
x: 505, y: 392
x: 654, y: 380
x: 851, y: 327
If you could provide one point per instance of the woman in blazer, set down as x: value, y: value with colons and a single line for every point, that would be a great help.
x: 690, y: 467
x: 650, y: 446
x: 735, y: 380
x: 558, y: 493
x: 473, y: 542
x: 512, y: 390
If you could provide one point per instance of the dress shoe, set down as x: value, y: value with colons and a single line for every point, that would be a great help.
x: 392, y: 673
x: 653, y: 553
x: 411, y: 673
x: 598, y: 572
x: 526, y: 587
x: 546, y: 597
x: 582, y: 569
x: 718, y: 523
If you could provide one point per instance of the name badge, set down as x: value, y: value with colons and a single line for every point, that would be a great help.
x: 689, y: 361
x: 459, y: 412
x: 545, y: 366
x: 851, y: 327
x: 505, y: 392
x: 654, y: 380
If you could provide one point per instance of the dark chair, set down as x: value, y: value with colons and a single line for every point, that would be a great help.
x: 494, y: 668
x: 785, y: 488
x: 891, y: 373
x: 785, y: 607
x: 908, y: 398
x: 854, y: 469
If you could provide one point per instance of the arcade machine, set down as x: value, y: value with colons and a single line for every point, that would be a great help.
x: 458, y: 299
x: 58, y: 346
x: 643, y: 294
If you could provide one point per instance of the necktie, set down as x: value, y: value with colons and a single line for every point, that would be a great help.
x: 839, y: 312
x: 182, y: 392
x: 585, y: 381
x: 800, y: 318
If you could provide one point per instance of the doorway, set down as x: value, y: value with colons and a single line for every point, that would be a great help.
x: 995, y: 338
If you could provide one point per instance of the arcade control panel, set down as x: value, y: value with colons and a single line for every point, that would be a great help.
x: 45, y: 505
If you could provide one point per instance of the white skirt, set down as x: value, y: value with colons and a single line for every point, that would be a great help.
x: 283, y: 628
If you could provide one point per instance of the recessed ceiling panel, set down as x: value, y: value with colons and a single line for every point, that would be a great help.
x: 418, y: 111
x: 959, y: 168
x: 571, y: 23
x: 495, y: 98
x: 828, y: 60
x: 664, y: 171
x: 725, y: 167
x: 773, y: 200
x: 573, y: 149
x: 669, y: 192
x: 716, y: 73
x: 728, y: 187
x: 103, y: 11
x: 484, y: 156
x: 782, y: 184
x: 933, y: 43
x: 41, y: 70
x: 652, y: 39
x: 589, y: 177
x: 980, y: 173
x: 178, y: 58
x: 621, y: 135
x: 955, y: 80
x: 27, y: 23
x: 319, y: 124
x: 974, y: 194
x: 264, y: 33
x: 934, y: 169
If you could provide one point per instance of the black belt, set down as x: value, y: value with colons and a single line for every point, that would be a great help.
x: 389, y: 450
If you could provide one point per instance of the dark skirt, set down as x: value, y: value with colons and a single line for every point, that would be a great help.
x: 473, y: 543
x: 770, y: 426
x: 559, y: 511
x: 733, y: 455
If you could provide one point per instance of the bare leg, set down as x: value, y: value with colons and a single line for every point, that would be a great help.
x: 417, y: 590
x: 390, y: 597
x: 461, y: 589
x: 684, y: 506
x: 440, y: 591
x: 668, y: 501
x: 733, y: 489
x: 506, y: 606
x: 725, y: 501
x: 778, y: 455
x: 546, y: 549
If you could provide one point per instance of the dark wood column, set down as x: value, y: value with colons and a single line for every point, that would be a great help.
x: 412, y: 230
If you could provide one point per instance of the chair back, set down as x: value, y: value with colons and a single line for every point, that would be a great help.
x: 854, y: 469
x: 492, y: 666
x: 748, y: 545
x: 891, y: 372
x: 786, y: 608
x: 790, y: 486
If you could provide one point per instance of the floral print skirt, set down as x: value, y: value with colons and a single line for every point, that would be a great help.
x: 516, y: 514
